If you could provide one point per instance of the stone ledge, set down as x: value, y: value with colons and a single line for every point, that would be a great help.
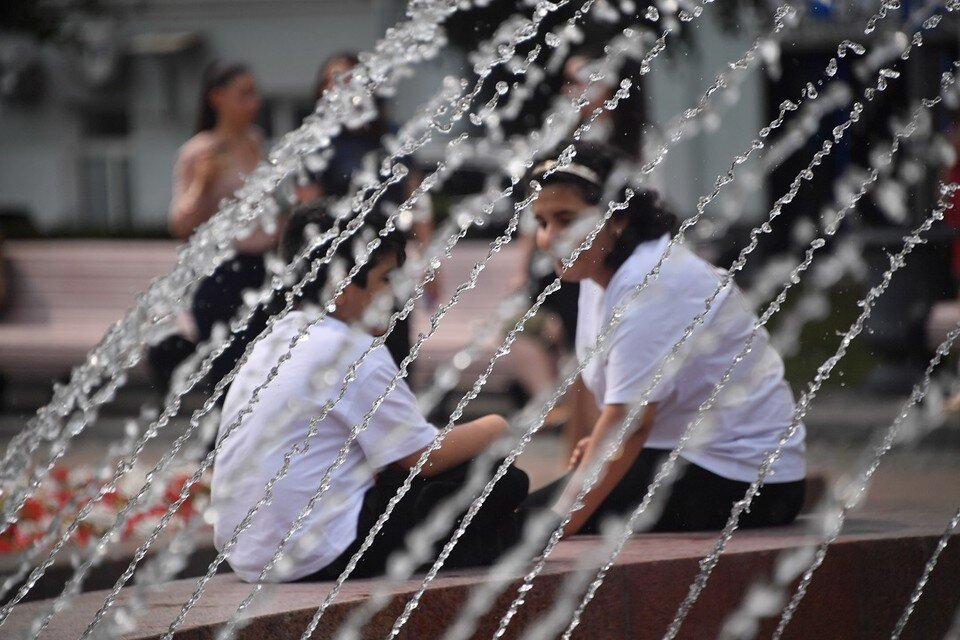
x: 858, y: 593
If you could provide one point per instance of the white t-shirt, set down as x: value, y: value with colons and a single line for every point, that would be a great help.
x: 251, y: 456
x: 755, y: 406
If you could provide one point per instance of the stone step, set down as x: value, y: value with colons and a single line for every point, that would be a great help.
x: 859, y: 592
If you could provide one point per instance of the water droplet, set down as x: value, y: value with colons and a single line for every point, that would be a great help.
x: 552, y: 40
x: 932, y: 22
x: 850, y: 45
x: 526, y: 31
x: 812, y: 91
x: 652, y: 14
x: 831, y: 69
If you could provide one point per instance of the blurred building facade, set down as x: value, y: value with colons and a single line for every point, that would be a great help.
x: 90, y: 122
x: 90, y: 125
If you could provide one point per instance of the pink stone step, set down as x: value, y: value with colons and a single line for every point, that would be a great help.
x: 859, y: 592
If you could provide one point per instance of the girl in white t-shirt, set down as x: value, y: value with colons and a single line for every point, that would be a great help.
x: 746, y: 420
x: 377, y: 462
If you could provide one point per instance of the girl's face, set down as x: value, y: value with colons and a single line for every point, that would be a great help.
x: 564, y: 219
x: 334, y: 68
x: 238, y: 101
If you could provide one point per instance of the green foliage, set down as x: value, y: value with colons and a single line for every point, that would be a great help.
x: 819, y: 340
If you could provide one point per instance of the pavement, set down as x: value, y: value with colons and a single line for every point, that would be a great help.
x: 912, y: 497
x: 840, y: 427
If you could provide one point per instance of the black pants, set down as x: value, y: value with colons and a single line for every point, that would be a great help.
x: 699, y: 500
x: 494, y: 529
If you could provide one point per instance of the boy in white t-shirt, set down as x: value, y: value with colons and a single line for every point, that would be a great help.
x: 374, y: 466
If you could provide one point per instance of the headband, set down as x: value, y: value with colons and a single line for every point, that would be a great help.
x: 571, y: 168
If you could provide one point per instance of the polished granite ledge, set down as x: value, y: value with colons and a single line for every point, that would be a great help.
x: 858, y: 593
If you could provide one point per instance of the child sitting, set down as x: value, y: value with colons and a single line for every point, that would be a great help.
x: 376, y: 464
x: 746, y: 420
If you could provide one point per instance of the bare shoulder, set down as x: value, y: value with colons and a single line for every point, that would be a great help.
x: 199, y: 143
x: 257, y: 138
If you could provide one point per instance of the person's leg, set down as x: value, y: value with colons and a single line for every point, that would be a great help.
x: 494, y: 528
x: 544, y: 497
x: 698, y: 501
x: 621, y: 500
x: 629, y: 491
x: 702, y: 501
x: 374, y: 560
x: 531, y: 365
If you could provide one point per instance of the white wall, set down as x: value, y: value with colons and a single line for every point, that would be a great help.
x: 38, y: 148
x: 284, y: 41
x: 676, y: 84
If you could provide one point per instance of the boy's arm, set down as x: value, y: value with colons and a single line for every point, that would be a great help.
x: 462, y: 444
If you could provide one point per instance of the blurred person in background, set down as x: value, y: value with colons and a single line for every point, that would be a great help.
x: 361, y: 149
x: 225, y: 148
x: 3, y: 279
x: 549, y: 338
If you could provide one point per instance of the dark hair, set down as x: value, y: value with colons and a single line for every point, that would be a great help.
x: 630, y: 117
x: 353, y: 143
x: 321, y: 80
x: 217, y: 74
x: 315, y: 218
x: 647, y: 216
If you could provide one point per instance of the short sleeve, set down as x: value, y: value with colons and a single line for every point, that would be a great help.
x: 397, y: 428
x: 652, y: 325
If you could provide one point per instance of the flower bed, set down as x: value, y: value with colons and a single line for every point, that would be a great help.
x: 71, y: 489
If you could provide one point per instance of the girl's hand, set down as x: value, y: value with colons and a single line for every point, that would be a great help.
x: 577, y: 454
x: 209, y: 165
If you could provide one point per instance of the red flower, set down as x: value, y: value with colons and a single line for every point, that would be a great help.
x: 60, y: 474
x: 8, y: 540
x: 32, y: 510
